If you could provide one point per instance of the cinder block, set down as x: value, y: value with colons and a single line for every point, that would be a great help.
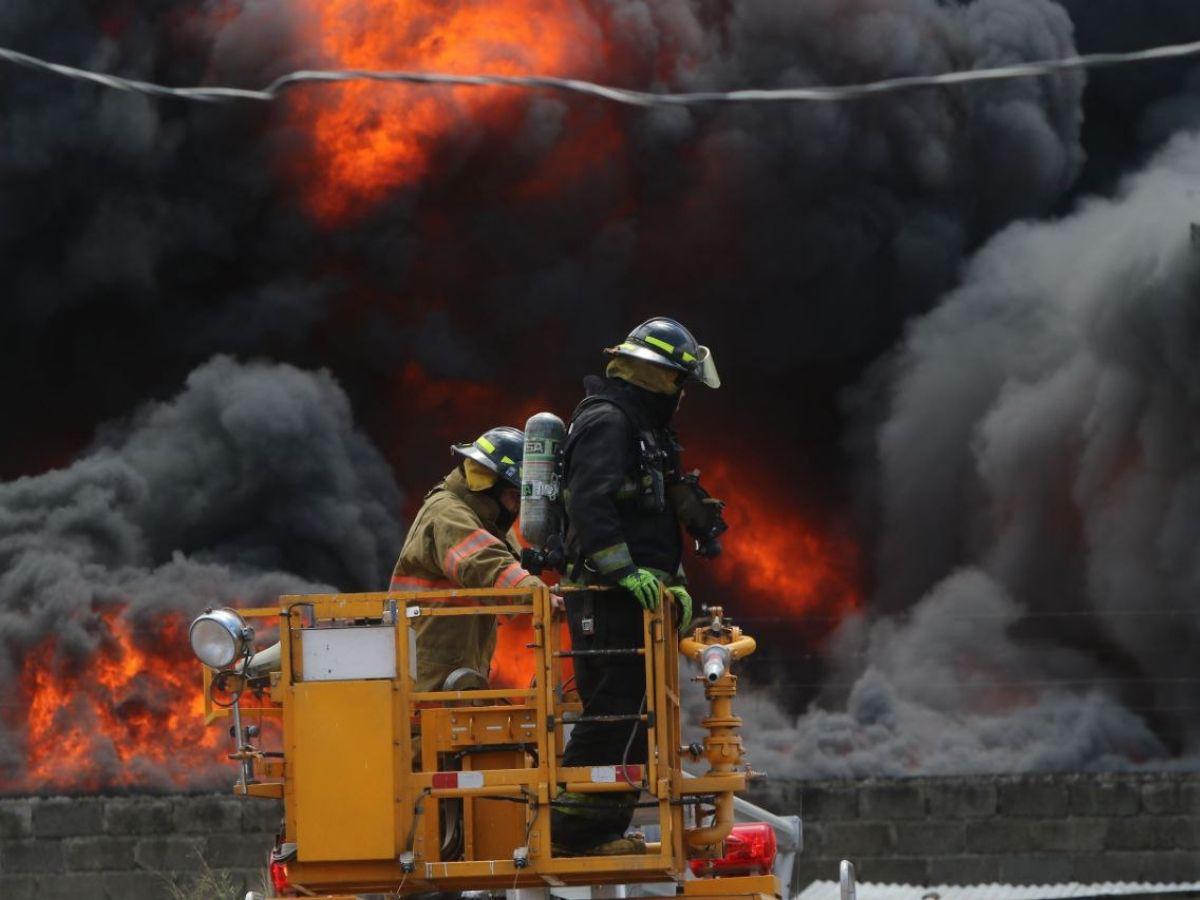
x: 208, y: 815
x: 138, y: 815
x: 168, y: 854
x: 813, y: 869
x: 1183, y: 831
x: 18, y: 887
x: 69, y: 887
x: 998, y: 836
x: 814, y: 839
x: 851, y: 840
x: 1079, y: 835
x: 829, y: 802
x: 892, y: 870
x: 1173, y: 867
x: 135, y: 885
x: 235, y: 851
x: 16, y: 819
x: 779, y: 796
x: 930, y: 838
x: 963, y: 869
x: 1139, y: 833
x: 1093, y: 797
x: 1160, y: 798
x: 101, y: 853
x: 66, y: 816
x: 261, y: 815
x: 1189, y: 797
x: 961, y: 799
x: 30, y: 856
x: 1099, y: 868
x: 895, y: 800
x: 1024, y: 869
x: 1043, y: 798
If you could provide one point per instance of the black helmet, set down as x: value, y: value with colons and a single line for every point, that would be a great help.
x: 499, y: 449
x: 665, y: 342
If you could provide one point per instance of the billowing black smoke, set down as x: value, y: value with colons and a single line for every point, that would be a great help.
x: 161, y: 233
x: 139, y: 238
x: 251, y: 483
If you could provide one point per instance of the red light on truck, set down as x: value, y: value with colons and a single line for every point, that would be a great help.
x: 279, y: 879
x: 749, y: 850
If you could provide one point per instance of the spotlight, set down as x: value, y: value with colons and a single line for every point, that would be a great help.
x: 220, y: 637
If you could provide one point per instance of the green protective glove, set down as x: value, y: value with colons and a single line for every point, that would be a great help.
x: 644, y: 586
x: 684, y: 599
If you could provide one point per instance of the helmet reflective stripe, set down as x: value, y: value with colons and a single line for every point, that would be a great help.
x: 485, y: 445
x: 651, y: 339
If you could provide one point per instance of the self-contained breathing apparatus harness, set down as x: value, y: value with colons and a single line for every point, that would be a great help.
x: 658, y: 481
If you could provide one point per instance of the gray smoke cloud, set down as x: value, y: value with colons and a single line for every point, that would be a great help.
x: 1040, y: 481
x: 251, y: 483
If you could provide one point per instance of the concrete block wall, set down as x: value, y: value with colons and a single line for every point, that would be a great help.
x: 127, y: 848
x: 1089, y: 828
x: 1018, y: 830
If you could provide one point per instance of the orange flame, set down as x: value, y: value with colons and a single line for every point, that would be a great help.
x: 778, y: 560
x: 370, y: 138
x: 130, y: 718
x: 512, y: 663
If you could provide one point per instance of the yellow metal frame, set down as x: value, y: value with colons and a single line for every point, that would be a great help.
x: 454, y: 719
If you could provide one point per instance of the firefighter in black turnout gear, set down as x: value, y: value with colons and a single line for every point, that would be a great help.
x: 620, y: 463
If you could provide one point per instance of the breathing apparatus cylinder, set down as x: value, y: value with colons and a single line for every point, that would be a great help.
x: 541, y: 506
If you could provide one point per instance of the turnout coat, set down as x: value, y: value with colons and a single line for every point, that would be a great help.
x: 456, y: 540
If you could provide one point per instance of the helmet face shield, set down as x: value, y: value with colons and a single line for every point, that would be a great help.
x: 706, y: 367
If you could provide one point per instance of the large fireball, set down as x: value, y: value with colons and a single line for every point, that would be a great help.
x: 370, y: 138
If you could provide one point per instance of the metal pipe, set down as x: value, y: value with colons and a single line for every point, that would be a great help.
x: 715, y: 648
x: 719, y: 829
x: 495, y: 790
x: 742, y: 646
x: 246, y: 774
x: 600, y: 787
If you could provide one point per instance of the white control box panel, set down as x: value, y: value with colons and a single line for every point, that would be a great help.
x: 349, y: 654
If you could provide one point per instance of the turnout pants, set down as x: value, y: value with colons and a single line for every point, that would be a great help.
x: 608, y: 686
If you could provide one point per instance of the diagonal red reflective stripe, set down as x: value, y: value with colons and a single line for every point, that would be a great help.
x: 471, y: 544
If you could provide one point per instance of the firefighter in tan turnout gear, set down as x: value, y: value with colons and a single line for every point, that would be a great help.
x: 459, y: 539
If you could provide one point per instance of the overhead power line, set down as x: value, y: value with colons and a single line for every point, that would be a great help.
x: 608, y: 92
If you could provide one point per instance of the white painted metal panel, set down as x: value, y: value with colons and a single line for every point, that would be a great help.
x: 349, y: 654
